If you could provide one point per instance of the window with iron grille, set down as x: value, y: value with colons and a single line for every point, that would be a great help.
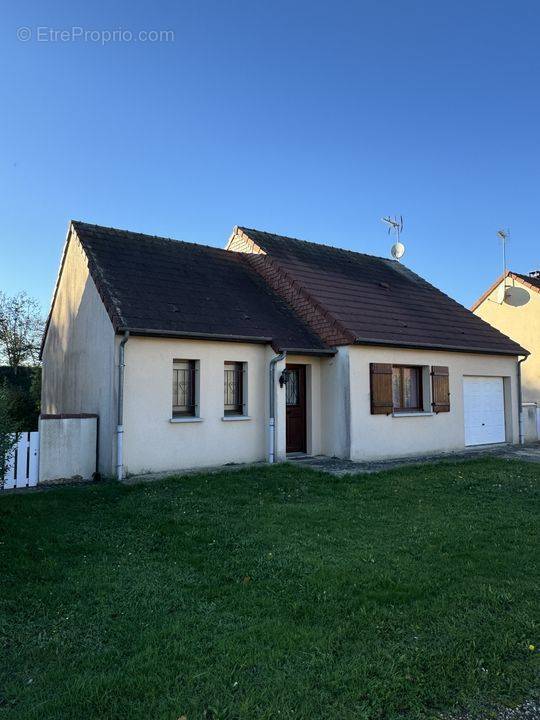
x: 234, y: 388
x: 184, y: 403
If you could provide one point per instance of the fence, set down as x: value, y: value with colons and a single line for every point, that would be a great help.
x: 23, y: 464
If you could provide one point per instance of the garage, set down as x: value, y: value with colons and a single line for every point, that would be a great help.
x: 483, y: 399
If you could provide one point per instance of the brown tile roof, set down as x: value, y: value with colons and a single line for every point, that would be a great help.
x: 532, y: 282
x: 164, y: 286
x: 373, y: 300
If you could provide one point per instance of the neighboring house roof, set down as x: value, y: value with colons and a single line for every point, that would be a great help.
x: 531, y: 282
x: 158, y: 286
x: 349, y: 297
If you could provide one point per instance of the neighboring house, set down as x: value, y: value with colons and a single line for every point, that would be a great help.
x: 512, y: 305
x: 378, y: 362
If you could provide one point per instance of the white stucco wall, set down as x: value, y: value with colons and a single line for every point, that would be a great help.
x: 339, y: 421
x: 382, y: 436
x: 79, y: 354
x: 153, y: 443
x: 336, y: 404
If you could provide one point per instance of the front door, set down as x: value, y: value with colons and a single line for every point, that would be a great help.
x: 296, y: 408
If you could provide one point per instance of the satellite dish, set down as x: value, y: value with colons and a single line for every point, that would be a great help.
x: 395, y: 226
x: 516, y: 296
x: 398, y: 250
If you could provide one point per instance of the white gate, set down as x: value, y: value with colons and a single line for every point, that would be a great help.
x: 23, y: 465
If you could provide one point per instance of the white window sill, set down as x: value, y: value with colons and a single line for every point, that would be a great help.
x: 420, y: 413
x: 185, y: 420
x: 232, y: 418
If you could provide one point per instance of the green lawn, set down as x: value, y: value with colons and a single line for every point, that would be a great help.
x: 271, y: 593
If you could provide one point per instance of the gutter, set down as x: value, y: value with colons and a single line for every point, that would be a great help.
x: 439, y: 346
x: 272, y: 406
x: 323, y: 352
x: 520, y: 402
x: 120, y: 415
x: 195, y: 335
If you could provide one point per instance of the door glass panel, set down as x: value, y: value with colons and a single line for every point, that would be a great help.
x: 292, y: 388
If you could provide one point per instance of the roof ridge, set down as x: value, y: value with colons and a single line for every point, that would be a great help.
x: 318, y: 244
x: 146, y: 236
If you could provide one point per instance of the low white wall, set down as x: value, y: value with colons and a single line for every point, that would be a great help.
x: 67, y: 447
x: 386, y: 436
x: 530, y: 422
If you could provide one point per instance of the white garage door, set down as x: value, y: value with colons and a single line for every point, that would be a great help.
x: 484, y: 410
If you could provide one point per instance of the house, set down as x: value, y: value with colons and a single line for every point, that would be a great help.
x: 512, y: 305
x: 193, y: 356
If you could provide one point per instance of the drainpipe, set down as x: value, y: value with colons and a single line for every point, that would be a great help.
x: 520, y: 402
x: 120, y: 420
x: 272, y: 413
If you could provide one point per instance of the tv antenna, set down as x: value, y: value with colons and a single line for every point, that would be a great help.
x: 504, y: 235
x: 395, y: 226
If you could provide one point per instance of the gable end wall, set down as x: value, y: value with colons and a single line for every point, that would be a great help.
x: 522, y: 324
x: 79, y: 352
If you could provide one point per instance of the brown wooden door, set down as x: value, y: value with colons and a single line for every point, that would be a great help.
x: 296, y: 408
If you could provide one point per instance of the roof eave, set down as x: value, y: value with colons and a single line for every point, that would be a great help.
x: 189, y: 335
x: 436, y: 346
x: 221, y: 337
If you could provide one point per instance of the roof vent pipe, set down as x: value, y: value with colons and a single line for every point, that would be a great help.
x: 272, y: 406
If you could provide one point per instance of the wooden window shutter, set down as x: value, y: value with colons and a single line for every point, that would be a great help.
x: 381, y: 389
x: 440, y: 389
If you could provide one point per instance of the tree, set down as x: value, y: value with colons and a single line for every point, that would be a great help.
x: 7, y: 434
x: 21, y: 329
x: 23, y: 390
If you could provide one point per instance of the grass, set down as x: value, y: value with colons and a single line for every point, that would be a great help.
x: 271, y: 593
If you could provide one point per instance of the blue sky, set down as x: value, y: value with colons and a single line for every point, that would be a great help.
x: 303, y: 118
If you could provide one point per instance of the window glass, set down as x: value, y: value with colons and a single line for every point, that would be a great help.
x: 291, y: 394
x: 183, y: 388
x: 406, y: 388
x: 233, y: 388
